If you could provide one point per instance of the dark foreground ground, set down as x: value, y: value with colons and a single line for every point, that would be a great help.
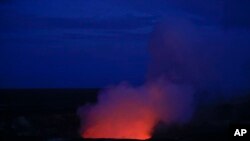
x: 50, y: 115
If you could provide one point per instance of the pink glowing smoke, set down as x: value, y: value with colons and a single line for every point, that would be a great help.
x: 131, y: 113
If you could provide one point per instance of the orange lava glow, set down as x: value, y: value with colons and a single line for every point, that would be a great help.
x: 122, y: 126
x: 138, y: 130
x: 127, y: 117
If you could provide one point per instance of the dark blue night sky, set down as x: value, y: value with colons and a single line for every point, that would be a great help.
x: 93, y: 43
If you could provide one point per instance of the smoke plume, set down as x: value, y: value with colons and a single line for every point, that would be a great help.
x: 127, y: 112
x: 183, y: 58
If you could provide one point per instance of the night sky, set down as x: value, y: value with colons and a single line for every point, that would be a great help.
x: 92, y: 43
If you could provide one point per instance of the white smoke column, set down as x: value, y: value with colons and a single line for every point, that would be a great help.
x: 173, y: 51
x: 126, y: 112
